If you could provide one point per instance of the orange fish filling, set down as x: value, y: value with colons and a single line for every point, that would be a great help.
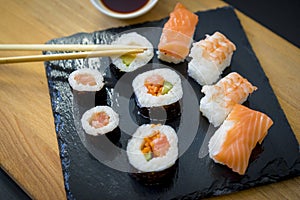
x: 99, y: 120
x: 85, y: 79
x: 154, y: 90
x: 154, y: 84
x: 155, y: 145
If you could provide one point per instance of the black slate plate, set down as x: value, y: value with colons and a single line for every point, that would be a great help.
x: 85, y: 170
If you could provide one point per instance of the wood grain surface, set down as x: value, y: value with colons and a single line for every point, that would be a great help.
x: 28, y: 144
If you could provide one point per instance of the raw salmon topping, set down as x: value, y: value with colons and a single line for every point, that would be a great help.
x: 178, y: 32
x: 249, y: 129
x: 85, y: 79
x: 99, y: 119
x: 156, y: 145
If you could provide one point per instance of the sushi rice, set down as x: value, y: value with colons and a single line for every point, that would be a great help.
x: 147, y: 100
x: 136, y: 157
x: 141, y: 59
x: 94, y: 74
x: 112, y: 124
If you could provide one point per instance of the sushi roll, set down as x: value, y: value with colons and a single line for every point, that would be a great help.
x: 99, y: 120
x: 152, y: 150
x: 209, y: 58
x: 87, y: 87
x: 220, y: 98
x: 86, y: 80
x: 158, y: 89
x: 177, y: 35
x: 234, y: 141
x: 131, y: 62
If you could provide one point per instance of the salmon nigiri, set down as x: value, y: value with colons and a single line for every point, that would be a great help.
x: 234, y: 141
x: 220, y: 98
x: 177, y: 35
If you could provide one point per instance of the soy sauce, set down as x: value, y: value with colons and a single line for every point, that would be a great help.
x: 124, y: 6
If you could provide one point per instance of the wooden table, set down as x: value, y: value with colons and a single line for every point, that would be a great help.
x: 28, y: 145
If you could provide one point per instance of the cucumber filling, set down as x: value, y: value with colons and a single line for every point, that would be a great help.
x: 128, y: 59
x: 166, y: 87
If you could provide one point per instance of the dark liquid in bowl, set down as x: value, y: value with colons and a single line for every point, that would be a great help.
x: 124, y: 6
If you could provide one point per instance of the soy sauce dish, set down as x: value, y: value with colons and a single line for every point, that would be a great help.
x: 124, y: 9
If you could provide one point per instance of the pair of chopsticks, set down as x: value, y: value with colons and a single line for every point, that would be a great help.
x: 80, y: 51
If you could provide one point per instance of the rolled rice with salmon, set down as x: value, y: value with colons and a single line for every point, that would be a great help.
x: 209, y: 58
x: 158, y: 88
x: 153, y: 148
x: 234, y: 141
x: 99, y: 120
x: 131, y: 62
x: 220, y: 98
x: 177, y: 35
x: 86, y: 80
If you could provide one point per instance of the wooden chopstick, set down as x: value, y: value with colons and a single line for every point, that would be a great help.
x: 64, y: 47
x: 64, y: 56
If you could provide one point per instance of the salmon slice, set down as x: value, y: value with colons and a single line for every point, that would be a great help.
x: 154, y: 80
x: 85, y: 79
x: 234, y: 141
x: 178, y: 32
x: 99, y: 120
x: 161, y: 146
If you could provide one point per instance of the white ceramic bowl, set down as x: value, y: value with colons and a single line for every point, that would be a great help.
x: 99, y: 5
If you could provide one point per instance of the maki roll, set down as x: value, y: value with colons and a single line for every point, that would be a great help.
x: 153, y: 150
x: 131, y: 62
x: 177, y: 35
x: 158, y: 90
x: 86, y: 79
x: 87, y: 86
x: 220, y: 98
x: 100, y: 120
x: 209, y: 58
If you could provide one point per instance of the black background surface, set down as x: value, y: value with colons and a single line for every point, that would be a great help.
x: 282, y: 18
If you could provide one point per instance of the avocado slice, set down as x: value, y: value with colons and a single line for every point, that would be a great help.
x: 128, y: 58
x: 166, y: 87
x: 148, y: 156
